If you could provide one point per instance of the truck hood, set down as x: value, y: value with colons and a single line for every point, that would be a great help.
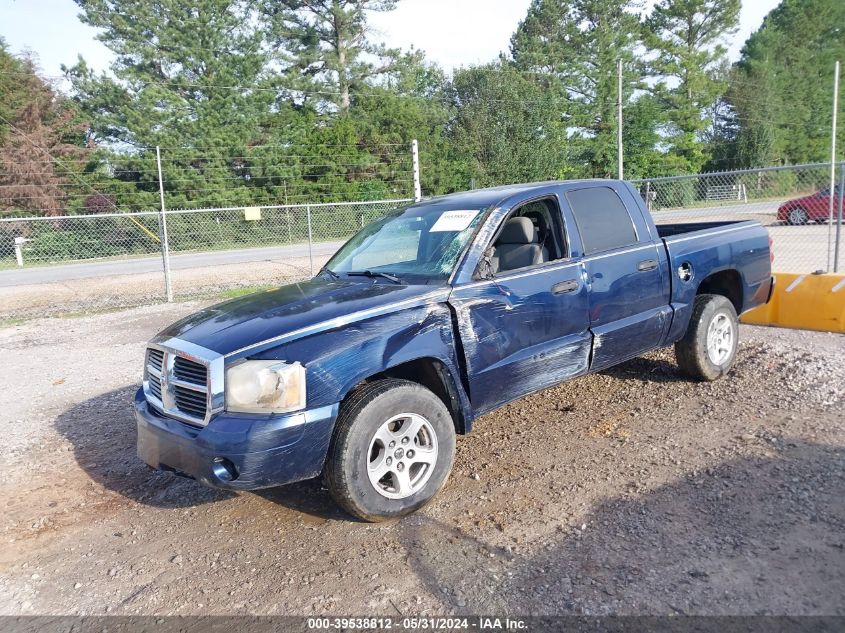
x: 238, y: 325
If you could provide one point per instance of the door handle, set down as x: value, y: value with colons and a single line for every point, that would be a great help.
x: 646, y: 265
x: 570, y: 285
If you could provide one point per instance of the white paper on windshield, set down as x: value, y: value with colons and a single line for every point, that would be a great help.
x: 453, y: 221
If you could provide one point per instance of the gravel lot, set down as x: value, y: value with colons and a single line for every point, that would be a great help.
x: 632, y: 491
x: 71, y: 296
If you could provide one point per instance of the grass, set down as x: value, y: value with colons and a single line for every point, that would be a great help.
x: 10, y: 263
x: 234, y: 293
x: 11, y: 322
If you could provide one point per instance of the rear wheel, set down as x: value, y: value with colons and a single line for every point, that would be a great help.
x: 797, y: 215
x: 708, y: 349
x: 392, y: 451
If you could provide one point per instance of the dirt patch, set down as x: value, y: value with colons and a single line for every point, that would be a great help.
x: 633, y: 491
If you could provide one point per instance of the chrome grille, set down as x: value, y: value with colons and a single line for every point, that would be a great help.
x: 155, y: 361
x: 191, y: 402
x: 177, y: 386
x: 189, y: 371
x: 155, y: 358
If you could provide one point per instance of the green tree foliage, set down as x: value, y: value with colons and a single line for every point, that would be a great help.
x: 261, y: 102
x: 688, y: 38
x: 247, y: 100
x: 186, y: 75
x: 578, y: 43
x: 324, y: 48
x: 642, y: 118
x: 182, y: 71
x: 413, y: 103
x: 506, y: 128
x: 781, y: 90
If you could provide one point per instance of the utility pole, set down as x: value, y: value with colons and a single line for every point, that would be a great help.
x: 832, y: 162
x: 620, y: 170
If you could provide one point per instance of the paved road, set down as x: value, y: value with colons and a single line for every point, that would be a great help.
x: 719, y: 213
x: 65, y: 272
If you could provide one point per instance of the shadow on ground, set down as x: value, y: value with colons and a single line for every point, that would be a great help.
x: 751, y: 536
x: 308, y: 497
x: 102, y: 433
x: 650, y: 370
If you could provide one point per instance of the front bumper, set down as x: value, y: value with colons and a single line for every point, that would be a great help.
x: 237, y: 452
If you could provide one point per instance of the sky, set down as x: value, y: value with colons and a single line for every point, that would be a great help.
x: 453, y: 33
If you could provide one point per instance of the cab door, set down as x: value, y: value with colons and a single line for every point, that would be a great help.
x: 524, y: 330
x: 628, y: 296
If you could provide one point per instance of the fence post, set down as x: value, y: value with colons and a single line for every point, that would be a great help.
x: 310, y: 241
x: 415, y: 155
x: 839, y: 217
x: 162, y: 231
x: 19, y: 242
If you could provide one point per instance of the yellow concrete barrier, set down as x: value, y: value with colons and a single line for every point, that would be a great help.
x: 805, y: 302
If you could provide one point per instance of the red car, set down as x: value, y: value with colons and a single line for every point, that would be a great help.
x: 812, y: 208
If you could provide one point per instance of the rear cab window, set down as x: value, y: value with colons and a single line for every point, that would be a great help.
x: 602, y: 219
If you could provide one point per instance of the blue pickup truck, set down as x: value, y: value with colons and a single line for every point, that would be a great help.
x: 426, y: 319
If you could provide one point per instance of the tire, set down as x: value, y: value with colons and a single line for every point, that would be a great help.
x: 713, y: 321
x: 797, y: 216
x: 375, y: 415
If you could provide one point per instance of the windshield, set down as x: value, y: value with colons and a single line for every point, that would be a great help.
x: 414, y: 242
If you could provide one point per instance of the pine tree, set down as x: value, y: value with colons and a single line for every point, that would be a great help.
x: 323, y: 46
x: 688, y: 37
x: 578, y: 42
x: 190, y: 77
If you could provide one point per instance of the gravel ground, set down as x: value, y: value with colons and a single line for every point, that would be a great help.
x: 631, y: 491
x: 116, y: 291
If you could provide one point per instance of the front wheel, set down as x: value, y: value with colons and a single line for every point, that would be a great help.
x: 392, y: 451
x: 708, y: 349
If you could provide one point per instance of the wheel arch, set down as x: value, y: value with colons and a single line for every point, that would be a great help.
x: 433, y: 374
x: 727, y: 283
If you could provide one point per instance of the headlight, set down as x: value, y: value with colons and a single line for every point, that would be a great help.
x: 265, y: 386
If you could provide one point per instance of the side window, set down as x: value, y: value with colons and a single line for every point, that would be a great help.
x: 530, y: 235
x: 603, y: 221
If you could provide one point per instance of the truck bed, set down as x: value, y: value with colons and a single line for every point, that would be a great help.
x: 680, y: 228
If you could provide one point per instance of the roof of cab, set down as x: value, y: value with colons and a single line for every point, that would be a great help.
x: 491, y: 196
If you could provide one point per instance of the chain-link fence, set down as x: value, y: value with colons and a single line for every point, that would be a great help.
x: 68, y: 263
x: 796, y: 204
x: 100, y: 229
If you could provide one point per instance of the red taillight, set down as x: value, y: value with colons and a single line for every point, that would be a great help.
x: 771, y: 251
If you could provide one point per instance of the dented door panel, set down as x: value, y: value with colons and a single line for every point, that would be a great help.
x: 518, y: 336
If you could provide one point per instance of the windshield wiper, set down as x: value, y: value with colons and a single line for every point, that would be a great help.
x: 331, y: 273
x: 375, y: 273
